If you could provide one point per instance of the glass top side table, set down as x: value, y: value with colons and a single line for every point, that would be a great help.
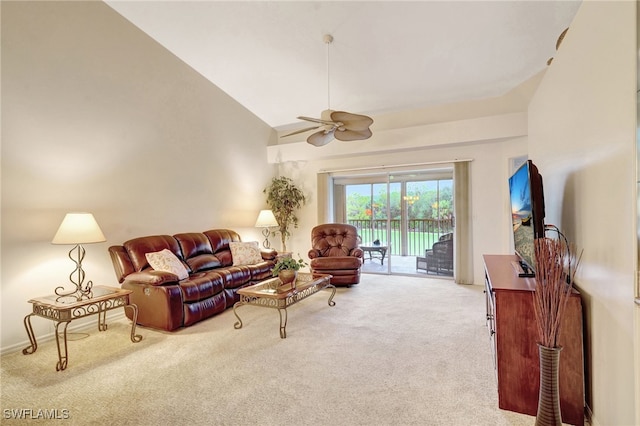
x: 64, y: 309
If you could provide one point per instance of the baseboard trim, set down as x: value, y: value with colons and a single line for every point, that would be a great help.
x: 589, y: 416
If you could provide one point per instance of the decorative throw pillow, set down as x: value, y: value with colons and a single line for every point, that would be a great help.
x: 245, y: 253
x: 166, y: 261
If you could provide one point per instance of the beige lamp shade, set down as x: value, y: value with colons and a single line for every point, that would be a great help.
x: 266, y: 219
x: 78, y: 228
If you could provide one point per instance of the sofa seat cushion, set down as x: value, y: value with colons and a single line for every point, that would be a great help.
x: 203, y: 262
x: 335, y: 263
x: 260, y: 271
x: 151, y: 277
x: 197, y: 311
x: 201, y: 286
x: 234, y: 276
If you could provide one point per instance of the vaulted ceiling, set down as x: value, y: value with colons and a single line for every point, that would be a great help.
x: 387, y: 56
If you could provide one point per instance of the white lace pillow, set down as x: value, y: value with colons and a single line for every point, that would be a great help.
x: 245, y: 253
x: 166, y: 261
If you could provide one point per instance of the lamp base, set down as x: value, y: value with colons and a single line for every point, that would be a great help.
x: 266, y: 233
x: 81, y: 291
x: 78, y: 294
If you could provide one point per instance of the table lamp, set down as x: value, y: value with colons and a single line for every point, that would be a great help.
x: 78, y: 229
x: 266, y: 220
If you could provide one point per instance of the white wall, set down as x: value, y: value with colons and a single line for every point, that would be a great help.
x: 582, y: 136
x: 98, y: 117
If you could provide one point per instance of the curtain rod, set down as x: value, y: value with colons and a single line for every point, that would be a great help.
x: 355, y: 169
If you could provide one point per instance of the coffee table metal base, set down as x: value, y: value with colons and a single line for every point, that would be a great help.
x: 266, y: 294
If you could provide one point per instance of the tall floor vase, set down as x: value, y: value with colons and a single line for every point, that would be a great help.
x: 549, y: 396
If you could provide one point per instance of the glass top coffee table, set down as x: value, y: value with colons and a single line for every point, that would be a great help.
x: 272, y: 294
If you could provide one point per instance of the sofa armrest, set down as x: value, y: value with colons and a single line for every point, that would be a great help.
x: 159, y: 306
x: 268, y: 254
x: 152, y: 277
x: 121, y: 262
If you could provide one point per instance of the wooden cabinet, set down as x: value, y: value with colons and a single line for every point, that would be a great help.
x: 514, y: 336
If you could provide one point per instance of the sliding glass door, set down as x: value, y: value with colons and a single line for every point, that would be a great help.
x: 425, y: 215
x: 399, y: 216
x: 368, y: 209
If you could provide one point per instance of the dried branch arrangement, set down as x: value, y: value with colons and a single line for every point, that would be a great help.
x: 553, y: 286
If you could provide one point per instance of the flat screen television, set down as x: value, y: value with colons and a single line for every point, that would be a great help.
x: 527, y: 212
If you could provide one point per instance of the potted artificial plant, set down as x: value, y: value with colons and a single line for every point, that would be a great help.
x: 553, y: 289
x: 284, y: 198
x: 286, y: 269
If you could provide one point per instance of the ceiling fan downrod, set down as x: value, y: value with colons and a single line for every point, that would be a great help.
x: 339, y: 125
x: 328, y: 39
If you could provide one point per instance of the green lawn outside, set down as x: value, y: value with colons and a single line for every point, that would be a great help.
x: 418, y: 242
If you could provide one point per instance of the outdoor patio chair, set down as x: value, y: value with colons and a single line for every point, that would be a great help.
x: 439, y: 259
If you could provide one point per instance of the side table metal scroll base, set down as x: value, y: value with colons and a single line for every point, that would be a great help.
x: 63, y: 310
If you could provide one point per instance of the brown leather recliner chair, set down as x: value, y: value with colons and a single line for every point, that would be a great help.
x: 335, y: 251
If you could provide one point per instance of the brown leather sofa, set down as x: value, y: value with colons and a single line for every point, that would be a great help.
x: 164, y: 301
x: 335, y: 251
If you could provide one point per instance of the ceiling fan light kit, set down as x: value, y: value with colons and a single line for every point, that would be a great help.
x: 340, y: 125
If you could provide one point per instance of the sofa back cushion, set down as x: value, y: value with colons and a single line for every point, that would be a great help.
x: 197, y: 251
x: 138, y: 248
x: 220, y: 239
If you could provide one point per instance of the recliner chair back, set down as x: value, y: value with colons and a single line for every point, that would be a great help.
x: 335, y: 251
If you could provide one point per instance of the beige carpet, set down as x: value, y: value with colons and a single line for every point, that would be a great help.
x: 392, y: 351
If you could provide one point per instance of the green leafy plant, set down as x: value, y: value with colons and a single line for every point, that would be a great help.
x: 284, y: 198
x: 288, y: 263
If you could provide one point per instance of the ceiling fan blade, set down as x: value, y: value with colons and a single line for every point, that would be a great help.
x: 352, y: 121
x: 353, y: 135
x: 321, y: 138
x: 306, y: 129
x: 316, y: 120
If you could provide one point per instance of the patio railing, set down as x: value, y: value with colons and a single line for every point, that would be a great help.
x: 413, y: 241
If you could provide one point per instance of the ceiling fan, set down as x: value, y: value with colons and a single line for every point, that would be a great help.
x: 341, y: 125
